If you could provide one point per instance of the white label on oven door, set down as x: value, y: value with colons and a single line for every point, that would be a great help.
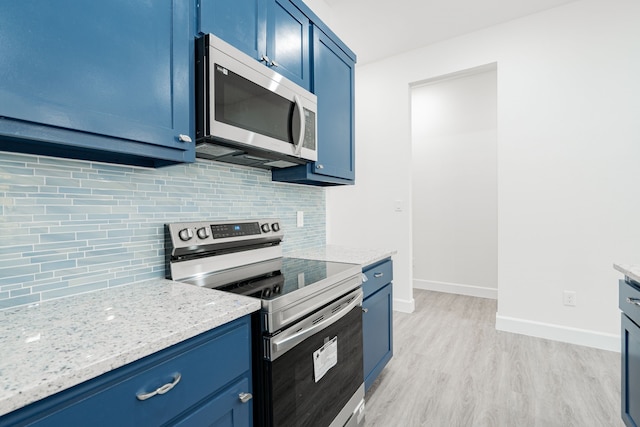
x: 325, y: 358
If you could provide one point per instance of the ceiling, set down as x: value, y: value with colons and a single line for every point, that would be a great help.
x: 375, y: 29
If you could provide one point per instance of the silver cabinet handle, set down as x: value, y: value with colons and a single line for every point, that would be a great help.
x: 378, y: 275
x: 634, y: 301
x: 319, y: 167
x: 160, y: 390
x: 245, y: 397
x: 265, y: 59
x: 184, y: 138
x: 365, y: 310
x: 274, y: 64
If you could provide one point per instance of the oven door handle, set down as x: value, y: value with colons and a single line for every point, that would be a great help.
x: 292, y: 340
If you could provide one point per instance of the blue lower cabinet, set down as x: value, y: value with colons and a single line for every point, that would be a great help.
x: 629, y: 303
x: 210, y: 374
x: 111, y: 82
x: 224, y: 410
x: 630, y: 372
x: 377, y: 320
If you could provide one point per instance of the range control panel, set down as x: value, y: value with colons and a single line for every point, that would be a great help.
x: 189, y: 234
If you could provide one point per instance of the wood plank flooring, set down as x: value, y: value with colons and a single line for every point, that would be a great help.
x: 452, y: 368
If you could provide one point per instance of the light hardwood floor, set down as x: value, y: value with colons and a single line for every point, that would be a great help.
x: 452, y: 368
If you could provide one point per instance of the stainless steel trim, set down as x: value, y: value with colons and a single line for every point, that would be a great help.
x: 335, y: 311
x: 352, y: 414
x: 195, y: 242
x: 288, y: 308
x: 198, y: 270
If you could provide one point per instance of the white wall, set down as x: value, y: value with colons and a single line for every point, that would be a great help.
x: 568, y: 151
x: 455, y: 183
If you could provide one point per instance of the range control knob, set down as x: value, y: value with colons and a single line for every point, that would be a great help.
x: 203, y: 232
x: 185, y: 234
x: 275, y: 227
x: 265, y: 228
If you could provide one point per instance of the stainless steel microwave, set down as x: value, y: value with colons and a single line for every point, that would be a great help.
x: 247, y: 113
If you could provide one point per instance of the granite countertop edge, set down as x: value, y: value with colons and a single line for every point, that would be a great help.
x: 74, y: 339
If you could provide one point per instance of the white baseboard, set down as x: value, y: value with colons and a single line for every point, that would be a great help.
x: 404, y: 306
x: 456, y: 288
x: 553, y: 332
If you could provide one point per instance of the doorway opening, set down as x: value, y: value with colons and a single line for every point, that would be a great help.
x: 454, y: 183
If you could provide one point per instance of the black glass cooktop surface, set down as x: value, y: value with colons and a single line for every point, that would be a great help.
x: 294, y: 274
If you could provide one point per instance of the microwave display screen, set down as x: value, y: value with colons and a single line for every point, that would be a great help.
x: 242, y: 103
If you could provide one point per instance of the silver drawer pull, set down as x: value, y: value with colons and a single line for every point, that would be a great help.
x: 245, y: 397
x: 184, y: 138
x: 160, y: 390
x: 634, y: 301
x: 378, y: 275
x: 365, y: 310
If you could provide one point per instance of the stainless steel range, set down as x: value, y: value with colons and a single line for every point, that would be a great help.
x: 307, y: 338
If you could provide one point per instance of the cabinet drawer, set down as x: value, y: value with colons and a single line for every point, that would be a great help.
x: 630, y: 300
x: 377, y: 276
x: 205, y: 364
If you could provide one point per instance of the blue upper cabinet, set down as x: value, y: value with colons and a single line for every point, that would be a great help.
x: 288, y: 42
x: 287, y: 36
x: 274, y: 32
x: 241, y: 23
x: 333, y: 84
x: 111, y: 82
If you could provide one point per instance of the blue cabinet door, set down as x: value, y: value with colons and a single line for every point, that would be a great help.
x: 224, y: 410
x: 333, y: 84
x: 113, y: 77
x: 377, y: 333
x: 241, y: 23
x: 288, y: 42
x: 630, y: 396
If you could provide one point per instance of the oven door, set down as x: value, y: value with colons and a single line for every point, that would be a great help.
x: 315, y: 374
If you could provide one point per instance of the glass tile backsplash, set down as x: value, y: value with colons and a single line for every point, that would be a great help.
x: 68, y: 226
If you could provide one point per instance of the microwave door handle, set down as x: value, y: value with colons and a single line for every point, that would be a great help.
x: 300, y: 110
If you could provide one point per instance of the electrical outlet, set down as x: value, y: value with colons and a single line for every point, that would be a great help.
x: 569, y: 298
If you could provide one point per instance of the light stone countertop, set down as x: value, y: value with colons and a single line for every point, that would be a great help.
x: 349, y: 255
x: 54, y: 345
x: 629, y: 270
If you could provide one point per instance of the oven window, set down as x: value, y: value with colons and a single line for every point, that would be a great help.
x: 242, y: 103
x: 297, y: 399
